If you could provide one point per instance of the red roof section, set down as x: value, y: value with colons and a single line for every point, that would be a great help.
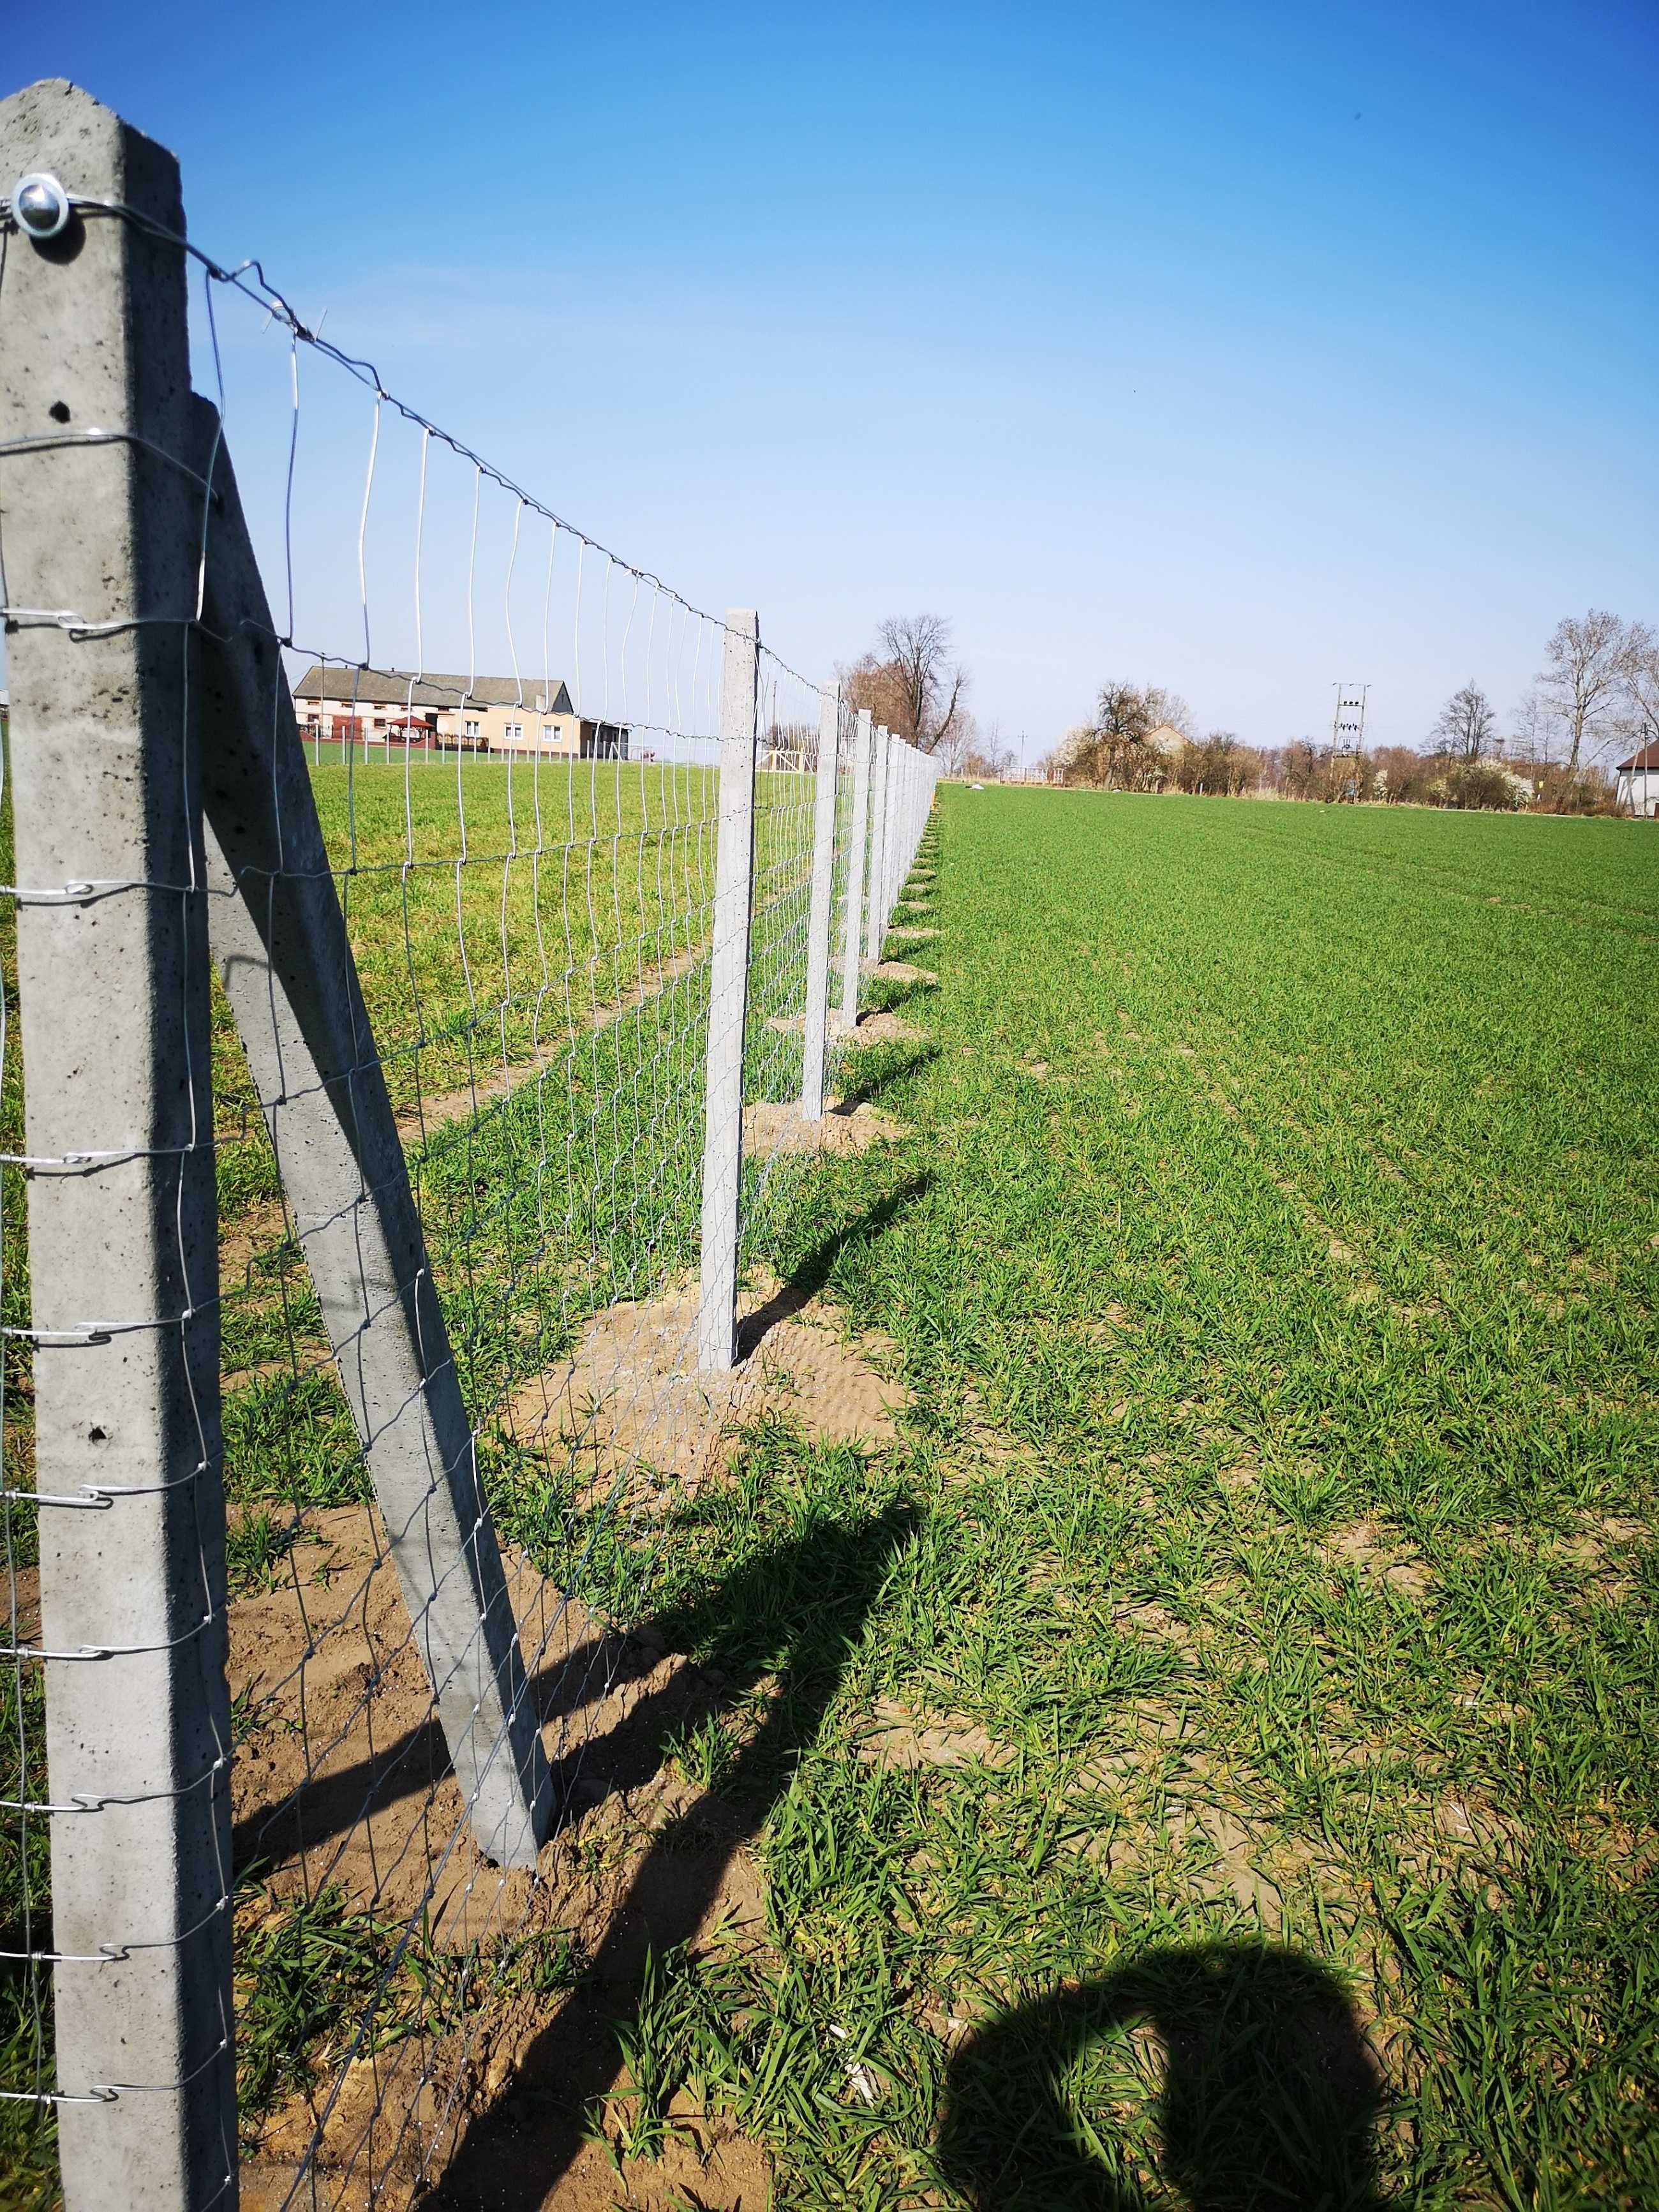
x: 1647, y: 757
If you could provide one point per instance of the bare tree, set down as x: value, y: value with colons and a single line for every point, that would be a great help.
x: 1467, y: 727
x: 872, y: 682
x: 1536, y: 728
x: 1584, y: 678
x: 1123, y: 716
x: 983, y: 753
x: 930, y: 685
x: 1219, y: 765
x: 1168, y: 710
x: 1115, y: 749
x: 911, y: 686
x: 1640, y: 705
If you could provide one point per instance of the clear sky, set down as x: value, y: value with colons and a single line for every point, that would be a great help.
x: 1235, y: 348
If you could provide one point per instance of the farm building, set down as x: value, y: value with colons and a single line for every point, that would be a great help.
x: 447, y: 714
x: 1638, y: 781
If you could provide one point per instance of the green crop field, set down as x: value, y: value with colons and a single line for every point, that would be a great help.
x: 1208, y: 1759
x: 1269, y: 1549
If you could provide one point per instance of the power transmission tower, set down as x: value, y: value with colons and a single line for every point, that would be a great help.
x: 1349, y: 741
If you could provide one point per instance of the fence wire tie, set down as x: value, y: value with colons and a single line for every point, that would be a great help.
x: 97, y: 1652
x: 58, y: 2096
x: 86, y: 894
x: 93, y: 436
x: 94, y: 1501
x: 85, y: 1801
x: 113, y: 1954
x: 100, y: 1496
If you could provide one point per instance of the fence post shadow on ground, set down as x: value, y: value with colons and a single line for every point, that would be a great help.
x: 326, y: 1805
x: 1270, y: 2095
x: 864, y: 1084
x: 814, y: 1593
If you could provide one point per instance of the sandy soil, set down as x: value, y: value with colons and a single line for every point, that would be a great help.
x: 345, y: 1779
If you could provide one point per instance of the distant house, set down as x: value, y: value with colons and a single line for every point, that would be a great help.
x: 366, y: 707
x: 1638, y: 781
x: 1164, y: 741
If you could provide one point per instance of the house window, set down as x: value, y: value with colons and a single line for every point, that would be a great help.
x: 549, y: 733
x: 513, y: 733
x: 470, y: 729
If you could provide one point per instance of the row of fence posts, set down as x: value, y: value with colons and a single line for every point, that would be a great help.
x: 893, y: 786
x: 165, y: 826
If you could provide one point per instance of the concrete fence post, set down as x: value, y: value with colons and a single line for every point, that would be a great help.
x: 876, y: 928
x: 896, y: 815
x: 856, y: 869
x: 728, y: 995
x: 818, y: 919
x: 101, y: 525
x: 893, y: 843
x: 898, y: 866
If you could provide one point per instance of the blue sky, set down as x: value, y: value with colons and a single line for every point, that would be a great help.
x: 1237, y: 349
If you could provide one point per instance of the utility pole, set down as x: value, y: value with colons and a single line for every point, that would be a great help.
x: 1348, y: 740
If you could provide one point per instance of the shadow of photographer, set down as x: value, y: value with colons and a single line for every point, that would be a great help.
x: 1269, y: 2099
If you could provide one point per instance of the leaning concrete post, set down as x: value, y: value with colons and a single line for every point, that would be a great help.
x: 112, y: 976
x: 279, y: 942
x: 728, y: 996
x: 856, y: 869
x: 877, y: 926
x: 818, y: 919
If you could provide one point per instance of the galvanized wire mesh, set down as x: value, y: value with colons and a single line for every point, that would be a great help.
x: 512, y: 743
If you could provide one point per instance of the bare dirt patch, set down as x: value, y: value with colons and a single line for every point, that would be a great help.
x: 903, y: 1737
x: 872, y: 1027
x: 341, y: 1777
x: 633, y: 1401
x: 769, y: 1127
x: 344, y: 1775
x: 1157, y: 1621
x: 877, y: 1027
x: 255, y: 1232
x: 834, y: 1027
x: 897, y: 971
x: 1378, y: 1558
x: 705, y: 2163
x: 1599, y: 1549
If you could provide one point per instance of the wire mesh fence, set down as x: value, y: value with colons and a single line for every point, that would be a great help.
x: 381, y: 1038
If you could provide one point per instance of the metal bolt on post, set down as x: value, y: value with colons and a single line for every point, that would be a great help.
x: 728, y: 996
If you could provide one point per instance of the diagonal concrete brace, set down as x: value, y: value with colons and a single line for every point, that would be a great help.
x: 279, y: 943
